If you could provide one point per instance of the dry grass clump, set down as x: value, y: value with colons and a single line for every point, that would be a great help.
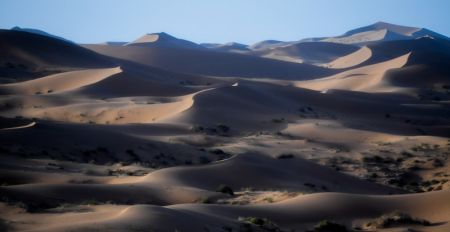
x: 396, y: 219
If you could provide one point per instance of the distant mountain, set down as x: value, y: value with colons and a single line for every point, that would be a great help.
x: 163, y: 40
x: 39, y: 32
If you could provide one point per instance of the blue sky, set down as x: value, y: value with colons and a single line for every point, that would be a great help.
x: 245, y: 21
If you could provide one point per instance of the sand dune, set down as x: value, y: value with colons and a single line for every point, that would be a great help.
x: 163, y: 40
x: 191, y: 184
x: 118, y: 110
x: 307, y: 52
x: 381, y: 31
x: 263, y: 173
x: 27, y: 53
x: 387, y: 50
x: 308, y: 210
x: 367, y: 78
x: 60, y: 82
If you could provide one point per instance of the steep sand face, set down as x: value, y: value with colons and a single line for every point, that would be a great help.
x: 352, y: 59
x: 368, y: 78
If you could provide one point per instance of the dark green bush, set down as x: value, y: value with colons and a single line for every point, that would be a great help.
x: 225, y: 189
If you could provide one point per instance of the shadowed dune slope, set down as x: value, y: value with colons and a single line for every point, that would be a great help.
x: 260, y: 172
x: 212, y: 63
x: 31, y: 51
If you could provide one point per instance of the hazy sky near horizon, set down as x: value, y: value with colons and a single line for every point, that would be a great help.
x: 244, y: 21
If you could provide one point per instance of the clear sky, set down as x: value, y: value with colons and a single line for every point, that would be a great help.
x: 245, y: 21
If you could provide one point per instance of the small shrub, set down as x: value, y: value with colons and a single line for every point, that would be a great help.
x: 438, y: 163
x: 133, y: 155
x: 253, y: 220
x: 396, y: 219
x: 309, y: 185
x: 217, y: 151
x: 203, y: 160
x: 278, y: 120
x: 263, y: 223
x: 34, y: 207
x: 285, y: 156
x: 205, y: 200
x: 223, y: 128
x: 328, y: 226
x: 9, y: 65
x: 197, y: 128
x: 225, y: 189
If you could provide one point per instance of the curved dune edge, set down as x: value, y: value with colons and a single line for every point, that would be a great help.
x: 31, y: 124
x: 119, y: 111
x: 351, y: 60
x: 367, y: 78
x: 61, y: 82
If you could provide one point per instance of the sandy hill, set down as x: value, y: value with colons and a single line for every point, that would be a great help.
x: 377, y: 32
x: 382, y: 31
x: 163, y: 39
x: 321, y: 51
x: 39, y: 32
x: 415, y: 67
x: 386, y: 50
x: 412, y: 32
x: 26, y: 55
